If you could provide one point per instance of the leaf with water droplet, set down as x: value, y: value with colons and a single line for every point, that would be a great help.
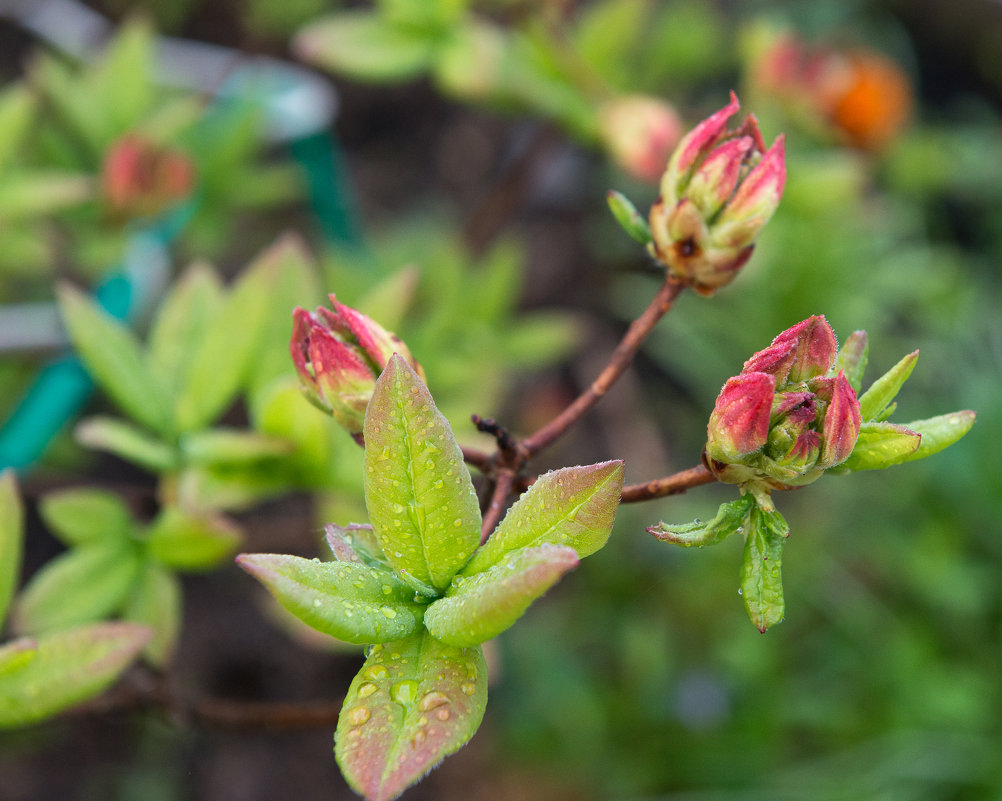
x: 355, y: 542
x: 574, y: 506
x: 762, y: 570
x: 486, y: 604
x: 412, y: 512
x: 939, y: 432
x: 880, y: 445
x: 884, y: 389
x: 402, y: 715
x: 728, y: 520
x: 343, y: 599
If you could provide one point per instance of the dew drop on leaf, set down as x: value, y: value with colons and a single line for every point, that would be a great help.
x: 366, y: 690
x: 358, y: 716
x: 376, y: 672
x: 404, y: 692
x: 432, y: 700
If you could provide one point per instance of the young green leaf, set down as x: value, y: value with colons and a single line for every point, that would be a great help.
x: 15, y: 655
x: 128, y: 442
x: 347, y: 600
x: 881, y: 445
x: 939, y: 432
x: 479, y: 608
x: 220, y: 361
x: 79, y: 516
x: 115, y: 360
x: 851, y: 359
x: 83, y: 585
x: 156, y: 603
x: 761, y: 572
x: 728, y: 520
x: 232, y: 446
x: 191, y: 542
x: 17, y: 108
x: 573, y: 506
x: 361, y: 44
x: 884, y: 389
x: 355, y: 543
x: 414, y: 702
x: 67, y: 667
x: 38, y: 193
x: 11, y: 539
x: 628, y: 217
x: 417, y: 488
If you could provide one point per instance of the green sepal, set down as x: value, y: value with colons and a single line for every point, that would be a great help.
x: 115, y: 360
x: 939, y: 432
x: 190, y: 542
x: 728, y: 520
x: 83, y: 585
x: 11, y: 539
x: 762, y: 569
x: 884, y: 389
x: 574, y: 506
x: 629, y: 219
x: 414, y: 702
x: 156, y: 602
x: 65, y: 668
x: 478, y: 608
x: 80, y: 516
x: 418, y: 490
x: 349, y: 601
x: 363, y: 45
x: 225, y: 446
x: 127, y: 442
x: 881, y: 445
x: 851, y: 359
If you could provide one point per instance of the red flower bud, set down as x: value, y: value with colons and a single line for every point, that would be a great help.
x: 739, y: 424
x: 142, y: 179
x: 640, y: 132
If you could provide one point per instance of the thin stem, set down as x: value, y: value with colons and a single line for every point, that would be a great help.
x: 478, y: 459
x: 674, y: 484
x: 502, y: 489
x: 638, y: 331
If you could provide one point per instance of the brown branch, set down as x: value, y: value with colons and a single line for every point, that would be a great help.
x: 638, y: 331
x: 670, y: 485
x: 502, y: 489
x: 478, y: 459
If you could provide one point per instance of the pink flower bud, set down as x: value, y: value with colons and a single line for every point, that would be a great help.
x: 739, y: 424
x: 142, y: 179
x: 339, y: 355
x: 841, y: 424
x: 640, y: 132
x: 732, y: 183
x: 804, y: 351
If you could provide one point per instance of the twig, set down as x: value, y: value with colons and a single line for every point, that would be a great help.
x: 478, y: 459
x: 502, y: 489
x: 638, y: 331
x: 674, y: 484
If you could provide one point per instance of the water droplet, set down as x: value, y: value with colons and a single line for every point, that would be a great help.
x: 354, y: 733
x: 398, y: 554
x: 388, y: 612
x: 740, y: 591
x: 471, y: 671
x: 387, y: 589
x: 432, y: 700
x: 404, y: 692
x: 419, y: 737
x: 317, y: 603
x: 376, y: 672
x: 439, y: 484
x: 395, y: 655
x: 442, y: 714
x: 457, y: 522
x: 422, y: 721
x: 366, y: 690
x: 468, y: 688
x: 429, y: 464
x: 358, y: 716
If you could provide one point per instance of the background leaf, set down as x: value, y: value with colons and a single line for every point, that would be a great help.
x: 191, y: 542
x: 78, y: 516
x: 156, y: 603
x: 414, y: 702
x: 11, y: 539
x: 128, y: 442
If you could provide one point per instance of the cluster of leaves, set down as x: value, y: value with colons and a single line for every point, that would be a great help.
x: 416, y: 587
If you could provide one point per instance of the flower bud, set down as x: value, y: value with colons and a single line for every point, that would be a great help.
x: 339, y: 355
x: 639, y: 132
x: 720, y: 189
x: 141, y: 179
x: 782, y: 421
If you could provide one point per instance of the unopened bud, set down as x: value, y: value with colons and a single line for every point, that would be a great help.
x: 142, y: 179
x: 640, y: 132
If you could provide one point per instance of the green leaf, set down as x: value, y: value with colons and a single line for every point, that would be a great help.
x: 362, y: 45
x: 79, y: 516
x: 11, y: 539
x: 119, y: 85
x: 224, y: 446
x: 35, y: 194
x: 127, y: 442
x: 939, y: 432
x: 156, y: 603
x: 190, y: 542
x: 628, y: 217
x: 347, y: 600
x: 852, y: 358
x: 762, y: 570
x: 428, y: 14
x: 115, y: 360
x: 729, y: 519
x: 884, y: 389
x: 181, y: 322
x: 574, y: 506
x: 606, y: 37
x: 83, y: 585
x: 17, y: 108
x: 355, y: 543
x: 413, y: 703
x: 479, y: 608
x: 220, y: 361
x: 881, y: 445
x: 418, y: 490
x: 15, y: 655
x: 67, y: 667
